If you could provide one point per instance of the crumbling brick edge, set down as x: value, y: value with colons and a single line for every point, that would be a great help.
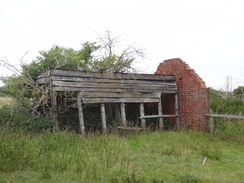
x: 193, y: 95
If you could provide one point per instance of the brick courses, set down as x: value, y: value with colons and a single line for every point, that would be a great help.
x: 193, y: 95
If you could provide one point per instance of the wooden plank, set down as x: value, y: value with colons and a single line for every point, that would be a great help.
x: 81, y: 117
x: 129, y: 128
x: 120, y: 94
x: 123, y: 115
x: 120, y: 100
x: 112, y: 85
x: 110, y: 90
x: 160, y: 113
x: 45, y: 80
x: 112, y: 80
x: 112, y: 75
x: 54, y: 109
x: 177, y: 112
x: 142, y: 114
x: 44, y: 74
x: 226, y: 116
x: 103, y: 115
x: 166, y: 90
x: 109, y: 82
x: 211, y: 123
x: 159, y: 116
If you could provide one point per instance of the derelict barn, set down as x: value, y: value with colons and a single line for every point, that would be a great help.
x: 181, y: 95
x: 120, y: 88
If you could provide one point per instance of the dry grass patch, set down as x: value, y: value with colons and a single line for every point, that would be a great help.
x: 5, y: 101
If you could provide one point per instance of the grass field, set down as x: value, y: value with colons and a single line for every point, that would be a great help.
x: 31, y: 155
x: 147, y: 157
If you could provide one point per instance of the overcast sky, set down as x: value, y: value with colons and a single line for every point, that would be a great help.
x: 207, y: 34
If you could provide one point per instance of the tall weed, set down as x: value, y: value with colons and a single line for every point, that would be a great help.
x: 228, y: 129
x: 16, y: 117
x: 60, y: 152
x: 178, y: 144
x: 146, y: 157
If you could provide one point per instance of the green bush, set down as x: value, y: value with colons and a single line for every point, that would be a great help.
x: 16, y: 117
x: 225, y: 105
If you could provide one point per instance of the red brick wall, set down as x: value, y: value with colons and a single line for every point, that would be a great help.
x: 193, y: 95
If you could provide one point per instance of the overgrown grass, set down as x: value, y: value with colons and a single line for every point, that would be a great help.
x: 14, y: 116
x: 146, y: 157
x: 5, y: 101
x: 230, y: 130
x: 225, y: 105
x: 227, y: 129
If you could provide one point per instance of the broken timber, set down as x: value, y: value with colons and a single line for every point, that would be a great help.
x: 94, y: 87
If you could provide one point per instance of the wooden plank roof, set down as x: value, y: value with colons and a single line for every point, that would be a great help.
x: 98, y: 87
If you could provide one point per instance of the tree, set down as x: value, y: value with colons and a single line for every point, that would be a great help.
x: 113, y: 57
x: 239, y: 92
x: 62, y: 58
x: 105, y: 56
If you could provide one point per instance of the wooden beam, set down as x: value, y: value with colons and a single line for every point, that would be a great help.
x: 44, y: 74
x: 211, y: 123
x: 129, y: 128
x: 142, y: 114
x: 103, y: 115
x: 119, y: 100
x: 93, y: 89
x: 148, y: 86
x: 123, y: 115
x: 96, y: 94
x: 54, y: 108
x: 177, y: 112
x: 160, y: 113
x: 111, y: 80
x: 81, y: 117
x: 226, y: 116
x: 117, y: 111
x: 159, y: 116
x: 43, y: 80
x: 126, y: 76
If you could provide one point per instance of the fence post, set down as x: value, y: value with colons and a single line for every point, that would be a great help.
x: 81, y: 116
x: 142, y: 114
x: 160, y: 112
x: 177, y: 112
x: 211, y: 122
x: 103, y: 115
x: 54, y: 110
x: 123, y: 115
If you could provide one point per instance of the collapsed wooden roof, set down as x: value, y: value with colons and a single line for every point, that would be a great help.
x: 98, y: 87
